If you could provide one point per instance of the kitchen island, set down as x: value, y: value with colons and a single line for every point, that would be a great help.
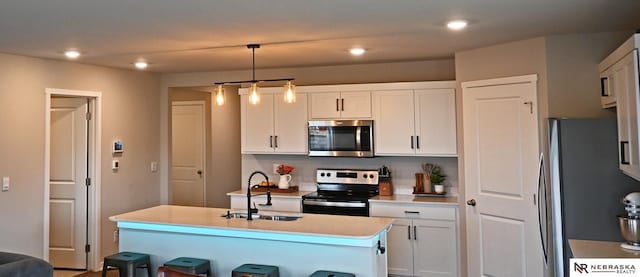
x: 299, y: 247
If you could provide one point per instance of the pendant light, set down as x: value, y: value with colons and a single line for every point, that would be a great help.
x: 254, y: 96
x: 289, y: 93
x: 220, y: 95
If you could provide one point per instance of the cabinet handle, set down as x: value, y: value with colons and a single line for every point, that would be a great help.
x: 270, y: 141
x: 275, y: 139
x: 415, y: 232
x: 623, y: 152
x: 603, y: 86
x: 411, y: 142
x: 409, y: 232
x: 411, y: 212
x: 417, y: 142
x: 337, y: 105
x: 342, y: 105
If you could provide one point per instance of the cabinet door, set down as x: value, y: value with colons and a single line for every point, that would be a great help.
x: 625, y: 83
x: 325, y: 105
x: 435, y: 111
x: 291, y: 125
x: 394, y: 122
x: 435, y: 251
x: 257, y: 127
x: 356, y: 104
x: 399, y: 252
x: 607, y: 92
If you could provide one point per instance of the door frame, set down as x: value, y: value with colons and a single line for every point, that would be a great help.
x: 203, y: 104
x: 95, y: 132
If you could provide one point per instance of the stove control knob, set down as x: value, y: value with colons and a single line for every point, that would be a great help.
x: 364, y: 176
x: 322, y: 174
x: 328, y: 174
x: 371, y: 176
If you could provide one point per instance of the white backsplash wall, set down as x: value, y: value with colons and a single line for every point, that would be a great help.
x: 403, y: 169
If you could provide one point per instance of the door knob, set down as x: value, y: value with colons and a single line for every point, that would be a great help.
x: 471, y: 202
x: 199, y: 172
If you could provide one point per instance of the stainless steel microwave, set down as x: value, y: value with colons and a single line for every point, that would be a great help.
x: 341, y: 138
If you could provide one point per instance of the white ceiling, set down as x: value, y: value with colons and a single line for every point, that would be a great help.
x: 210, y: 35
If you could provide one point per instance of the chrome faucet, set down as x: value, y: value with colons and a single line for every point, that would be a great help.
x: 255, y: 210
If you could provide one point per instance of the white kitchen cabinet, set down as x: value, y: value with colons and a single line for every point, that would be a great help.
x: 415, y: 122
x: 273, y: 126
x: 280, y: 204
x: 625, y: 83
x: 607, y: 93
x: 337, y: 105
x: 620, y: 72
x: 423, y: 240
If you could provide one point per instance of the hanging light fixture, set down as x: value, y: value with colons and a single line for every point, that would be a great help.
x: 220, y: 95
x: 254, y: 97
x: 289, y: 93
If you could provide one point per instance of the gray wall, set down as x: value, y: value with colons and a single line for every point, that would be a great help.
x: 222, y: 142
x: 130, y: 113
x: 573, y: 77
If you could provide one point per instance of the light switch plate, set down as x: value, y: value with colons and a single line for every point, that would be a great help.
x: 115, y: 164
x: 154, y: 166
x: 5, y: 183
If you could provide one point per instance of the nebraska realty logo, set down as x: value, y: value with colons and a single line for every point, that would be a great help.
x: 604, y: 267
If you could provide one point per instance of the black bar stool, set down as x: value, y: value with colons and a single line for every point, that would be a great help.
x: 324, y: 273
x: 190, y: 265
x: 126, y: 263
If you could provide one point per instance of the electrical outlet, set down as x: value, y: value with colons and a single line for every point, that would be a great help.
x: 116, y: 235
x: 5, y: 183
x: 275, y: 168
x: 154, y: 166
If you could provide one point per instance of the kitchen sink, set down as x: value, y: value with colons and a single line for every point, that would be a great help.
x: 263, y: 216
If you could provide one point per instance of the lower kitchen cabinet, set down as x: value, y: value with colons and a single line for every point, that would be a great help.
x: 423, y: 240
x: 280, y: 204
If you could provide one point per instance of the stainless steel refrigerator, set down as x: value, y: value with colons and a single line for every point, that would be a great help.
x: 585, y: 187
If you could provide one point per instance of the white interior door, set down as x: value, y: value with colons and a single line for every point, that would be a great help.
x: 68, y: 170
x: 501, y: 155
x: 187, y: 153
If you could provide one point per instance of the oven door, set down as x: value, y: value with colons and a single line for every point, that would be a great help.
x: 341, y: 138
x: 323, y: 206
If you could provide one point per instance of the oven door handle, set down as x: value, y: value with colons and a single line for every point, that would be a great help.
x: 333, y: 204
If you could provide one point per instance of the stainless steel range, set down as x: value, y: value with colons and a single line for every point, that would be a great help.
x: 342, y: 192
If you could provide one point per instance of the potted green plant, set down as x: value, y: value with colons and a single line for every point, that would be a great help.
x: 434, y: 176
x: 437, y: 178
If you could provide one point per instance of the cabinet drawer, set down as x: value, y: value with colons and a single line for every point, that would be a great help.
x: 278, y: 203
x: 412, y: 211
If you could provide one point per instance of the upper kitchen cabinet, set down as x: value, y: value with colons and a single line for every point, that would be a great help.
x: 336, y: 105
x: 417, y: 121
x: 607, y: 96
x: 273, y: 126
x: 620, y: 77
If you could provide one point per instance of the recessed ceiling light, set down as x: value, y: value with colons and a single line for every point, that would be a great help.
x: 141, y: 64
x: 72, y: 54
x: 357, y: 51
x: 457, y: 25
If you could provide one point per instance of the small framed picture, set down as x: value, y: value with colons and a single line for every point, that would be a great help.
x: 118, y: 146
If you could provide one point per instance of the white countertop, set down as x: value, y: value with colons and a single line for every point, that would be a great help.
x: 412, y: 199
x: 600, y: 249
x: 397, y: 198
x: 297, y: 194
x: 309, y: 224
